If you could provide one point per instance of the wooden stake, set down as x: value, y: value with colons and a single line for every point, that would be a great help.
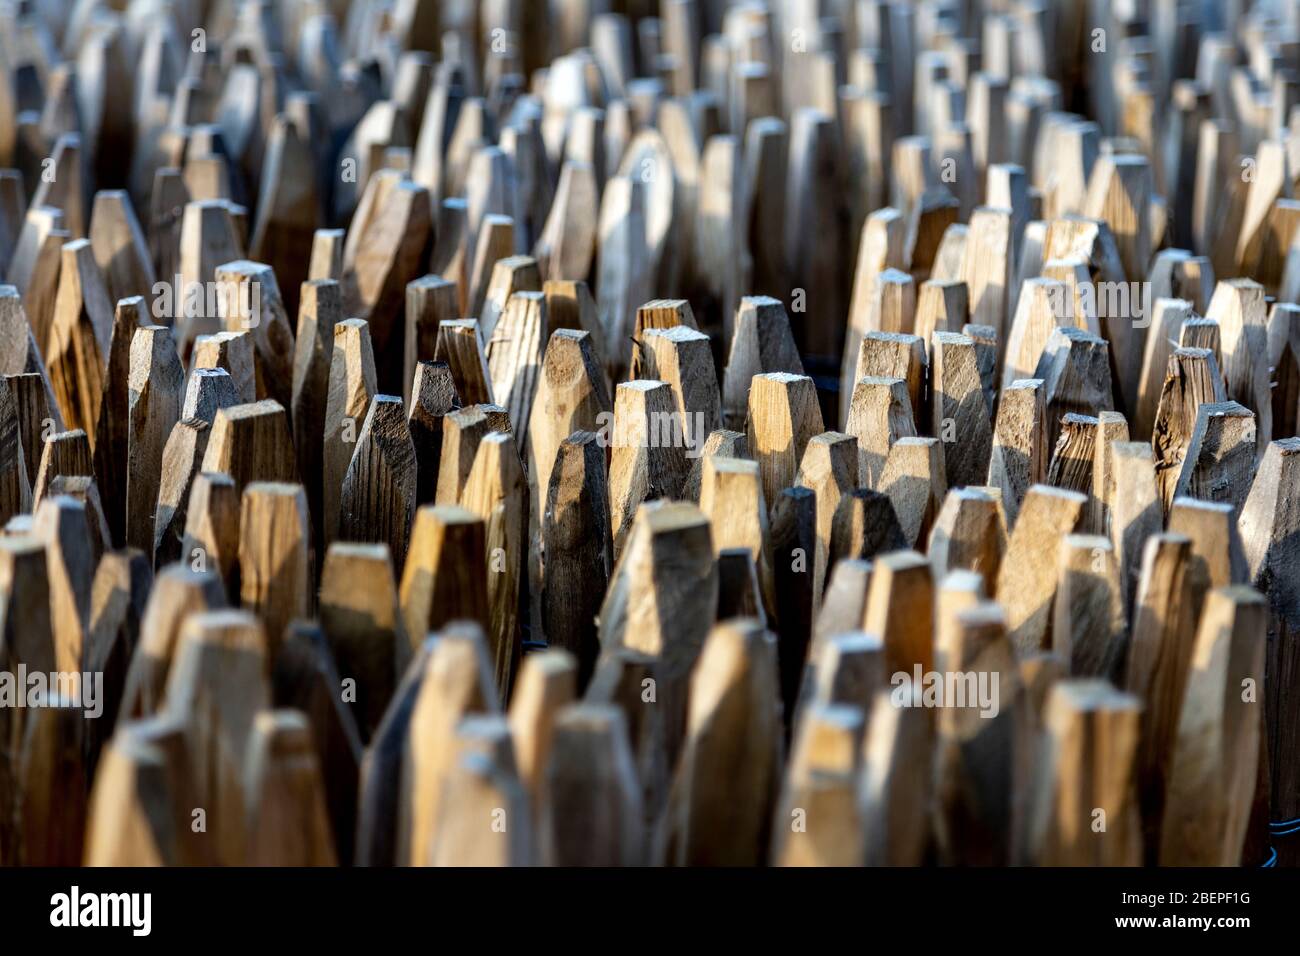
x: 1073, y: 458
x: 461, y: 346
x: 898, y: 609
x: 352, y: 384
x: 547, y: 684
x: 783, y: 418
x: 969, y: 532
x: 1026, y: 584
x: 1213, y: 764
x: 646, y: 461
x: 661, y: 599
x: 15, y: 487
x: 865, y: 524
x: 914, y: 480
x: 463, y: 430
x: 378, y: 497
x: 515, y: 356
x: 830, y: 468
x: 897, y: 753
x: 120, y: 250
x: 896, y: 355
x: 251, y: 443
x: 496, y: 492
x: 389, y: 254
x: 216, y: 689
x: 762, y: 342
x: 360, y: 620
x: 232, y: 351
x: 209, y: 239
x: 1216, y: 544
x: 181, y: 460
x: 1160, y: 650
x: 430, y: 301
x: 1238, y: 306
x: 456, y: 682
x: 976, y: 742
x: 576, y: 543
x: 319, y: 311
x: 64, y: 453
x: 960, y: 417
x: 1192, y: 379
x: 1085, y: 719
x: 793, y: 537
x: 880, y: 414
x: 212, y: 527
x: 177, y: 591
x: 288, y: 823
x: 80, y: 337
x: 443, y: 579
x: 733, y: 721
x: 156, y: 381
x: 681, y: 357
x: 1088, y: 618
x: 1220, y: 456
x: 1268, y: 523
x: 275, y: 570
x: 590, y: 803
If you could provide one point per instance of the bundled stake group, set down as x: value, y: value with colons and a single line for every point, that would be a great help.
x: 618, y: 432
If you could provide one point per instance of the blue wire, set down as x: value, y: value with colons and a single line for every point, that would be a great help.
x: 1285, y: 823
x: 1271, y: 861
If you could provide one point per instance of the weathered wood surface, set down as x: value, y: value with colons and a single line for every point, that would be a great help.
x: 620, y: 415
